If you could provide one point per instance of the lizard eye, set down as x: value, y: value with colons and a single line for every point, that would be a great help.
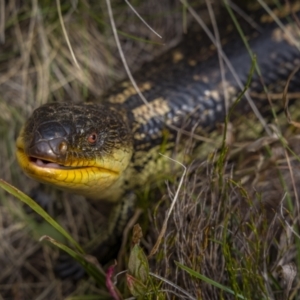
x: 92, y: 138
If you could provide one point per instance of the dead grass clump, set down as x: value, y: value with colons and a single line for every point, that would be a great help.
x: 236, y: 226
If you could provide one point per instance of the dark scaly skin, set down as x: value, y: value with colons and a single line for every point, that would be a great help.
x: 184, y: 90
x: 191, y: 86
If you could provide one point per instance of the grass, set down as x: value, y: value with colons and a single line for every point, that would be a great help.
x: 233, y: 233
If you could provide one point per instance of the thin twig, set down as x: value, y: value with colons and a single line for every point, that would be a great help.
x: 284, y: 219
x: 2, y: 21
x: 173, y: 285
x: 219, y: 48
x: 140, y: 17
x: 114, y: 29
x: 164, y: 226
x: 128, y: 227
x: 229, y: 65
x: 279, y: 23
x: 292, y: 180
x: 66, y: 34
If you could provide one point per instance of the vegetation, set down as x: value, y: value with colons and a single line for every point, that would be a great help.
x: 233, y: 230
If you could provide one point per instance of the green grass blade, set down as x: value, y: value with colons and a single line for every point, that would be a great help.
x: 89, y: 267
x: 208, y: 280
x: 39, y: 210
x: 89, y: 297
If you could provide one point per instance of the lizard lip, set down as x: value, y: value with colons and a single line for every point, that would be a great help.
x: 43, y: 163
